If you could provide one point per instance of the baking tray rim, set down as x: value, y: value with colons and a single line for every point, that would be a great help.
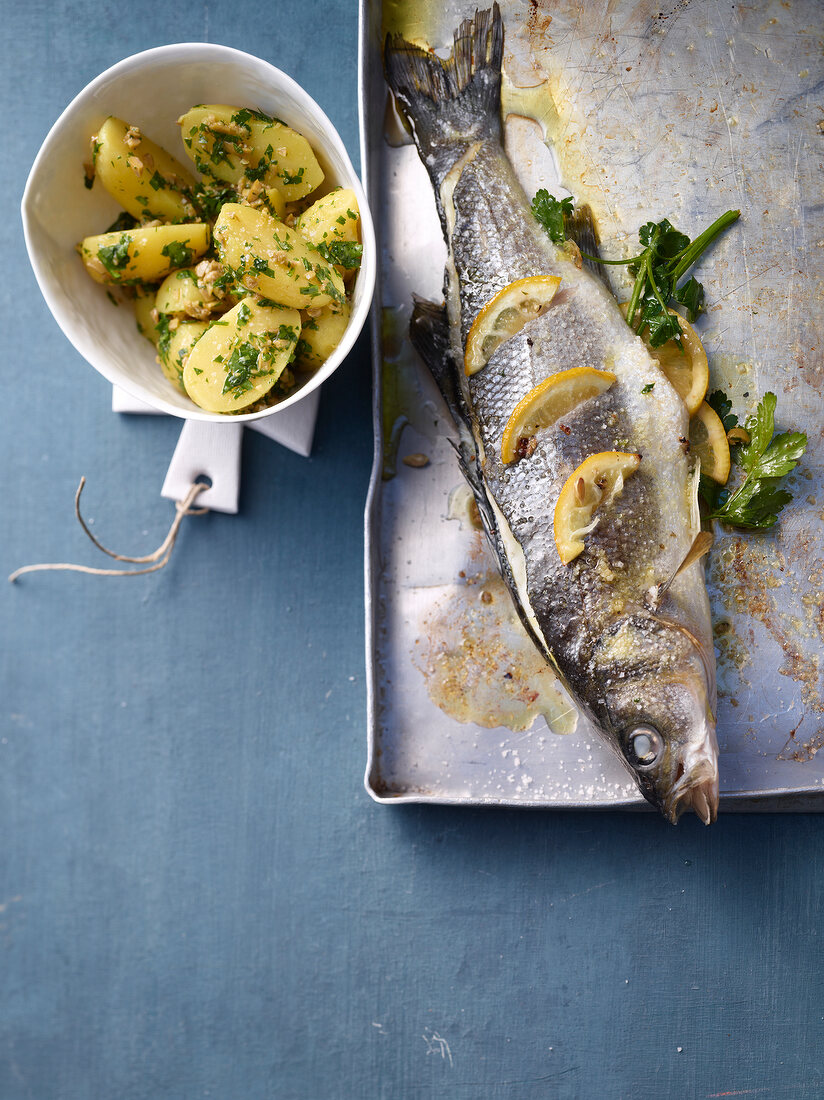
x: 775, y: 799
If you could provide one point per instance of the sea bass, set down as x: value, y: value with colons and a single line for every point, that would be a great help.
x: 623, y: 615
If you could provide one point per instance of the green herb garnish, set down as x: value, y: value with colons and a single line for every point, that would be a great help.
x: 241, y: 367
x: 123, y: 221
x: 666, y: 257
x: 164, y: 335
x: 346, y: 253
x: 208, y: 197
x: 720, y: 403
x: 765, y: 460
x: 550, y: 211
x: 115, y: 257
x: 180, y: 254
x: 291, y: 179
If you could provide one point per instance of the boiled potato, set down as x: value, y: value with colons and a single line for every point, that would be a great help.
x: 275, y: 203
x: 241, y: 357
x: 173, y: 352
x: 231, y: 142
x: 142, y: 176
x: 177, y: 291
x: 182, y: 292
x: 332, y: 224
x: 320, y: 335
x: 145, y: 254
x: 273, y: 261
x: 144, y: 305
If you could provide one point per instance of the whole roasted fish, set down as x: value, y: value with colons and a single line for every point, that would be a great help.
x: 626, y: 621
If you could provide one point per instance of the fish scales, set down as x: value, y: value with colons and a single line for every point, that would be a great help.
x: 629, y: 633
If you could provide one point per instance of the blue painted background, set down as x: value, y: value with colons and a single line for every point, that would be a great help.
x: 197, y: 899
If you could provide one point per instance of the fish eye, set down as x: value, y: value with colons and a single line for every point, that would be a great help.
x: 645, y: 746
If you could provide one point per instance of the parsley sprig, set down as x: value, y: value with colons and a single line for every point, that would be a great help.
x: 550, y: 212
x: 765, y: 460
x: 666, y: 257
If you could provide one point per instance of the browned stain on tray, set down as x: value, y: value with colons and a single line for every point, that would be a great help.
x: 479, y: 663
x: 755, y: 580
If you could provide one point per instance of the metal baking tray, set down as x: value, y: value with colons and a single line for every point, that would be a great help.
x: 645, y: 111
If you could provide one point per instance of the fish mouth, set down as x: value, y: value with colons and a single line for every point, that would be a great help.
x: 697, y: 787
x: 701, y: 797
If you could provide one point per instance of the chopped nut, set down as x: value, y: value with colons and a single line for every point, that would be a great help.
x: 202, y: 311
x: 416, y: 460
x: 218, y: 126
x: 136, y: 165
x: 253, y: 194
x: 208, y: 272
x: 314, y: 311
x: 132, y: 137
x: 149, y: 161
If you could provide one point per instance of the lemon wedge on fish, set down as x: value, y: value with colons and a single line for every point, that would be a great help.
x: 708, y: 440
x: 687, y: 370
x: 596, y: 482
x: 548, y: 402
x: 505, y: 315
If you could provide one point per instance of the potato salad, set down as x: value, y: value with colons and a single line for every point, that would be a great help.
x: 240, y: 275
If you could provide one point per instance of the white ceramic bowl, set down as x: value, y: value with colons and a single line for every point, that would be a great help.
x: 151, y: 90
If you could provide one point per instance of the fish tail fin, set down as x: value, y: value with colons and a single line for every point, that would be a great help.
x: 452, y: 102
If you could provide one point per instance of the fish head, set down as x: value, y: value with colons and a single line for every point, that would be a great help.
x: 660, y: 698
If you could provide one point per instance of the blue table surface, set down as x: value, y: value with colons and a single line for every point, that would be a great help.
x: 197, y: 898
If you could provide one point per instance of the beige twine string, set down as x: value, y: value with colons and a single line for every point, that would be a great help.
x: 160, y: 556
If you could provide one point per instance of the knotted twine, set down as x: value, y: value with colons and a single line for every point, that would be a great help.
x: 160, y: 557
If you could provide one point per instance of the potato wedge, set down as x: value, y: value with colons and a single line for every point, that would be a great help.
x: 273, y: 261
x: 274, y: 202
x: 332, y: 224
x: 145, y: 254
x: 320, y: 335
x: 145, y: 179
x: 178, y: 290
x: 230, y: 142
x: 174, y: 352
x: 183, y: 293
x: 241, y: 356
x: 144, y: 305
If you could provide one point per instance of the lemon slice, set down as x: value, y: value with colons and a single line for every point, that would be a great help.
x: 687, y: 370
x: 548, y: 402
x: 597, y: 481
x: 505, y: 315
x: 709, y: 441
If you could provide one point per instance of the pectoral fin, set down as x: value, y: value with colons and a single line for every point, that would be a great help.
x: 701, y: 544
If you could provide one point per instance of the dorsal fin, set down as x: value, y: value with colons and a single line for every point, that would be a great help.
x: 580, y: 228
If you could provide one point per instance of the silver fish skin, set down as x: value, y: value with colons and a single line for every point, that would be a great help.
x: 629, y: 633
